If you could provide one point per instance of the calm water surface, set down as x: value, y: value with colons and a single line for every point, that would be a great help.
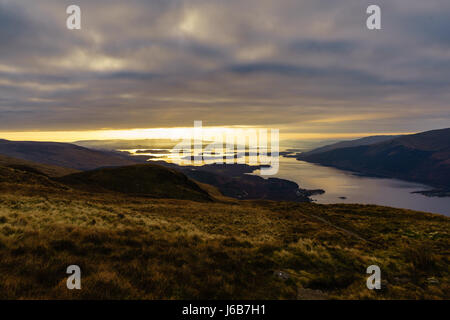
x: 357, y: 189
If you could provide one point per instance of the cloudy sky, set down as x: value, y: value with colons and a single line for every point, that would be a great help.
x: 304, y: 66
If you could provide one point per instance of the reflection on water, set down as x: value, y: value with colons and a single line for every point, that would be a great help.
x: 346, y: 187
x: 252, y: 156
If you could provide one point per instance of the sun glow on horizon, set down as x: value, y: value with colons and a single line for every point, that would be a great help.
x: 176, y: 133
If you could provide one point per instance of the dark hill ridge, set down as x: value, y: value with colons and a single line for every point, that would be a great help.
x: 435, y: 140
x: 29, y: 166
x: 422, y: 157
x: 65, y: 155
x: 352, y: 143
x: 147, y: 180
x: 11, y: 178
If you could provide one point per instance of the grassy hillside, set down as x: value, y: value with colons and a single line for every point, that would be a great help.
x: 12, y: 178
x: 149, y: 180
x: 139, y: 248
x: 29, y: 166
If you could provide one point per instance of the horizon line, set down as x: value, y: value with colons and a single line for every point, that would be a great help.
x: 175, y: 133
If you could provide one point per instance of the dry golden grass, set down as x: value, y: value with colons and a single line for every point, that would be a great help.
x: 139, y: 248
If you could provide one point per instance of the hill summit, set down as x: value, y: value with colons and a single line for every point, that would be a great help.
x: 149, y: 180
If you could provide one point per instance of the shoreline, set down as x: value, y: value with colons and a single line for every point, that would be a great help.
x: 433, y: 192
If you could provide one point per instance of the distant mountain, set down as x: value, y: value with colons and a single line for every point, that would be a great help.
x: 295, y: 145
x: 351, y: 143
x: 127, y: 144
x: 65, y: 155
x: 423, y: 157
x: 149, y: 180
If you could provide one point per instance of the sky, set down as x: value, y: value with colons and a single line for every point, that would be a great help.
x: 310, y: 68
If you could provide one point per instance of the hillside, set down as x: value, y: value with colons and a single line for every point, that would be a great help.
x: 24, y: 165
x: 148, y: 180
x: 141, y: 248
x: 423, y: 157
x: 352, y: 143
x: 64, y: 155
x: 12, y: 178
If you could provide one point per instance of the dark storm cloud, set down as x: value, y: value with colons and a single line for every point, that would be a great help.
x: 302, y: 65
